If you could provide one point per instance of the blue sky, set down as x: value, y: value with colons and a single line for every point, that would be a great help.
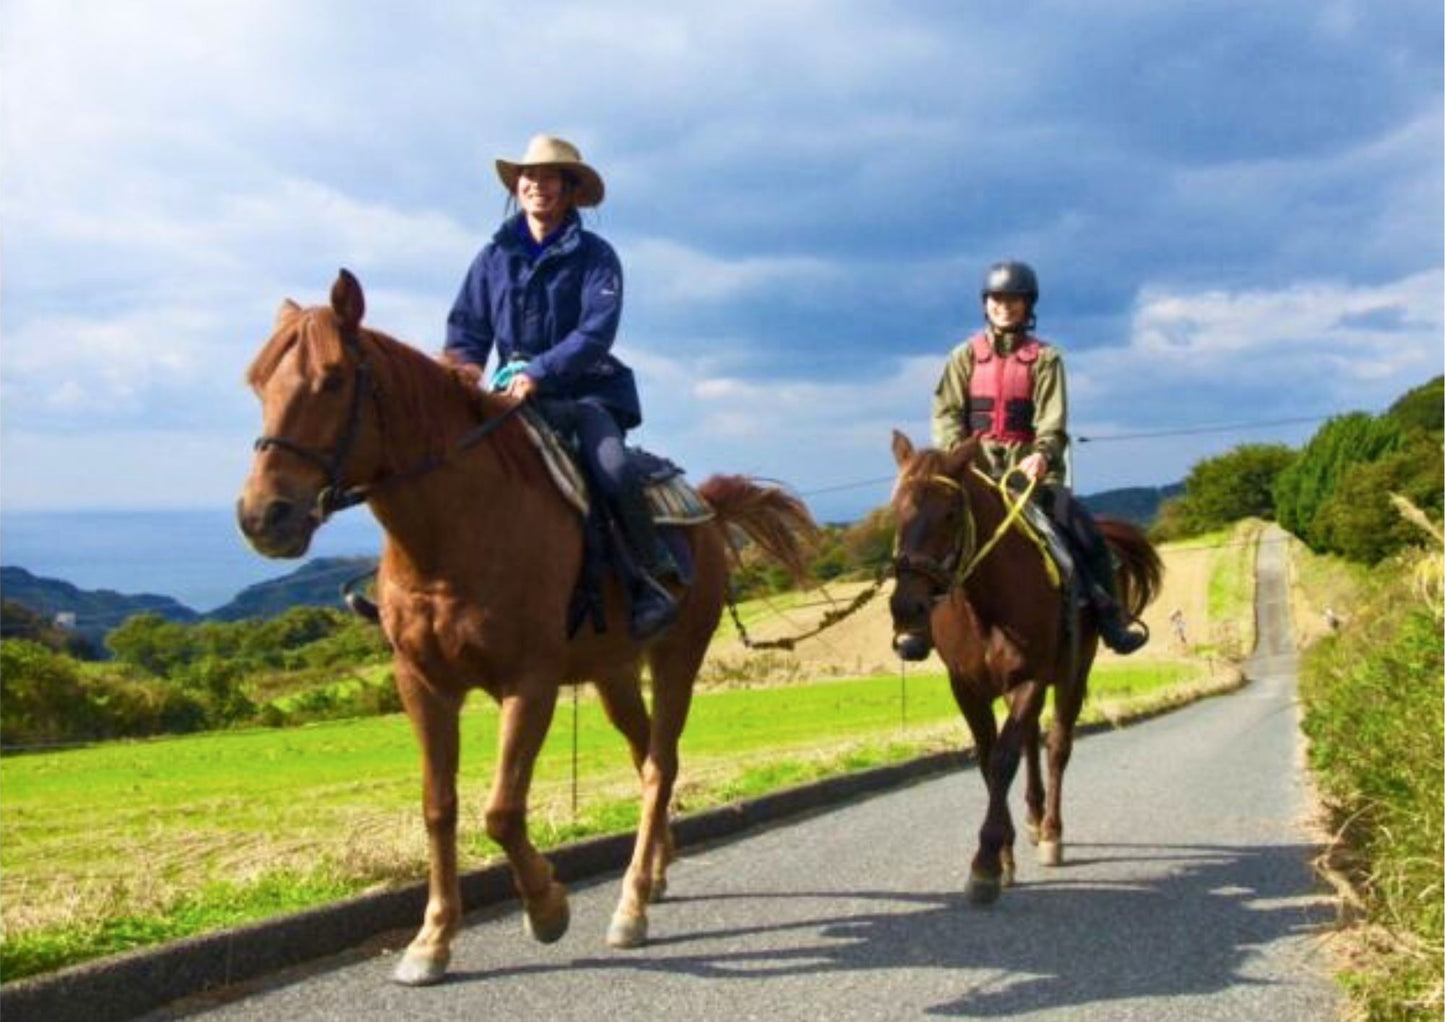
x: 1235, y: 210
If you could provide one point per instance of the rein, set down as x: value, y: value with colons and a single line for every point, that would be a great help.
x: 955, y: 569
x: 334, y: 497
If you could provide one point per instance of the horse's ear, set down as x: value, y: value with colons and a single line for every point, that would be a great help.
x: 960, y: 456
x: 347, y: 301
x: 902, y: 449
x: 286, y: 311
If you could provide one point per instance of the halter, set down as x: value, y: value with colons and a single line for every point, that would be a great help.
x: 335, y: 496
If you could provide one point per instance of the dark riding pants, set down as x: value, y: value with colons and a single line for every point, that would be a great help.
x: 599, y: 441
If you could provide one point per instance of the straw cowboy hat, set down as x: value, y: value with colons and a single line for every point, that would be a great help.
x: 551, y: 151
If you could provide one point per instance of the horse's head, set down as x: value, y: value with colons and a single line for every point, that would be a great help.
x: 933, y: 538
x: 318, y: 439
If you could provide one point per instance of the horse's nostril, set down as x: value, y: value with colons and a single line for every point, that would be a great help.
x: 277, y: 512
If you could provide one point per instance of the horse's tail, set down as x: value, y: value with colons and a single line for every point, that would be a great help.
x: 1141, y: 572
x: 772, y: 518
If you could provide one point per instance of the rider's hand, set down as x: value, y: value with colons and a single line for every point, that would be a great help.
x: 1035, y: 466
x: 521, y: 387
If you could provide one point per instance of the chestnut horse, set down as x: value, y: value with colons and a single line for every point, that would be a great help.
x: 481, y: 557
x: 998, y: 623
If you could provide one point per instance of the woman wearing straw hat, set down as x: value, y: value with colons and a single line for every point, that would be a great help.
x: 547, y: 294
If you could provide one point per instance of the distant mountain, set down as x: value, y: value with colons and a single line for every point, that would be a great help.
x: 90, y: 613
x: 1137, y: 504
x: 317, y: 583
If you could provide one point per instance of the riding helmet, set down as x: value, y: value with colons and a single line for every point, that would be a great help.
x: 1010, y: 278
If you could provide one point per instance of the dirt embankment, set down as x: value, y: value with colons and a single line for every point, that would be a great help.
x: 862, y: 643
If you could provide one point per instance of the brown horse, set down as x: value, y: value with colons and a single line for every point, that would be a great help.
x: 482, y: 554
x: 998, y: 622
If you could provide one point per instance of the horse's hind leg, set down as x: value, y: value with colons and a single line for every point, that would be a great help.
x: 675, y: 663
x: 526, y: 715
x: 1061, y: 747
x: 1033, y: 784
x: 434, y: 719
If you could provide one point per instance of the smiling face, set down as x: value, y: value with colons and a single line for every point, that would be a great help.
x: 545, y: 195
x: 1006, y: 312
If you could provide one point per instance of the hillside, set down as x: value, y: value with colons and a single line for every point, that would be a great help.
x: 1137, y: 504
x: 96, y: 611
x: 317, y: 583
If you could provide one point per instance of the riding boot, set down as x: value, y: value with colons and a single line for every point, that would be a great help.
x: 1113, y: 629
x: 1098, y: 567
x: 653, y: 607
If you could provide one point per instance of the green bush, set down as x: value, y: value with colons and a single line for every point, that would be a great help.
x: 1374, y: 715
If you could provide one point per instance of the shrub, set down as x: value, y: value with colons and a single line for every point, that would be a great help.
x: 1372, y: 701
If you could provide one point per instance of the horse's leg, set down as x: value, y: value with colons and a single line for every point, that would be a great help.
x: 526, y: 715
x: 1033, y: 783
x: 622, y: 699
x: 978, y: 713
x: 433, y: 717
x: 675, y: 662
x: 1061, y: 747
x: 997, y: 833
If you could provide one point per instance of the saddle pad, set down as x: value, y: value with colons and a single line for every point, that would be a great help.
x: 670, y: 498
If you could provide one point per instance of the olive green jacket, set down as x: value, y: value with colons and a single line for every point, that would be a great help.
x: 1051, y: 415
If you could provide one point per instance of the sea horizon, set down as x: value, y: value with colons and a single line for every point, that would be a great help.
x: 196, y: 556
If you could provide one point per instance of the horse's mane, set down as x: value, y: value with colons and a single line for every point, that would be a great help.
x: 419, y: 391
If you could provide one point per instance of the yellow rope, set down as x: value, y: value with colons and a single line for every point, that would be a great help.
x: 1014, y: 517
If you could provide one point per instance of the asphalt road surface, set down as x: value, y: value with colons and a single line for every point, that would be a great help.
x: 1185, y: 894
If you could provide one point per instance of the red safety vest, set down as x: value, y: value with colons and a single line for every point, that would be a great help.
x: 1001, y: 390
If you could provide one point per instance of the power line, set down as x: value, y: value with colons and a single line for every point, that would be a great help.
x: 1261, y: 424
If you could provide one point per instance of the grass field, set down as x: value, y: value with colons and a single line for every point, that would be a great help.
x: 127, y: 843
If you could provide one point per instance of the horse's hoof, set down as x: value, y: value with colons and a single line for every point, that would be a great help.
x: 659, y: 890
x: 981, y: 890
x: 421, y: 970
x: 1006, y: 876
x: 549, y: 923
x: 1032, y: 829
x: 1051, y: 853
x: 627, y: 931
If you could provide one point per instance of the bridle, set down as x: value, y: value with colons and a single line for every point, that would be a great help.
x: 965, y: 555
x: 335, y: 495
x: 949, y: 572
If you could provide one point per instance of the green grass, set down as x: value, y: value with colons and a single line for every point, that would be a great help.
x: 1231, y: 589
x: 130, y: 843
x: 1374, y: 711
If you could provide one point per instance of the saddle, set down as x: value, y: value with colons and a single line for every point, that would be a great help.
x: 670, y: 499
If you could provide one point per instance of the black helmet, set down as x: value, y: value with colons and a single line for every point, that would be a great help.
x: 1010, y: 278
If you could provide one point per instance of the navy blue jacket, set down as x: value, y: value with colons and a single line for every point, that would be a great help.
x: 559, y: 312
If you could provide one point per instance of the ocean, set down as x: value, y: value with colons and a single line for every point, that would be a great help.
x: 196, y: 557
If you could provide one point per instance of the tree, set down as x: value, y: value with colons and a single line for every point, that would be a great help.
x: 1221, y: 490
x: 152, y: 643
x: 1422, y: 408
x: 1237, y: 484
x: 1360, y: 523
x: 1303, y: 488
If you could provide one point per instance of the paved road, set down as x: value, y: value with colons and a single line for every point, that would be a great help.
x: 1187, y: 895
